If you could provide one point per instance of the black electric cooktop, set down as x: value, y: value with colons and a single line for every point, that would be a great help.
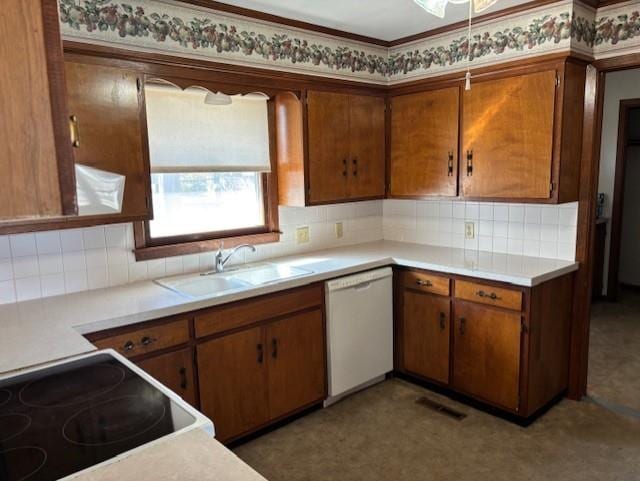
x: 60, y: 420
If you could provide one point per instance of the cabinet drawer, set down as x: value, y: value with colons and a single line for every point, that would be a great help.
x: 244, y: 313
x: 426, y: 282
x: 150, y: 339
x: 493, y: 296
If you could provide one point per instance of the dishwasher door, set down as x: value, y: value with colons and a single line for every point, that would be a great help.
x: 359, y: 330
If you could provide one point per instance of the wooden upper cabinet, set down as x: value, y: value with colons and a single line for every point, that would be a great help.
x: 332, y: 150
x: 507, y: 137
x: 328, y: 146
x: 424, y: 143
x: 108, y: 103
x: 36, y: 158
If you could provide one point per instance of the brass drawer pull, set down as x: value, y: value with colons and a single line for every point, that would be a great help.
x: 260, y: 353
x: 493, y: 296
x: 129, y: 346
x: 469, y: 163
x: 443, y: 318
x: 274, y: 348
x: 424, y: 283
x: 146, y: 340
x: 463, y: 323
x: 74, y: 131
x: 183, y: 378
x: 355, y: 167
x: 450, y: 164
x: 344, y: 167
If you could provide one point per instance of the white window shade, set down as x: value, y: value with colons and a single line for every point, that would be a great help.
x: 187, y: 135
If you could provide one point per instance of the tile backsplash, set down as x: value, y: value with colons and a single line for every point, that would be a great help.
x: 523, y: 229
x: 56, y: 262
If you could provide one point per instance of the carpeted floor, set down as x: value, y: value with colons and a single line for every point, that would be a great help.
x: 382, y: 434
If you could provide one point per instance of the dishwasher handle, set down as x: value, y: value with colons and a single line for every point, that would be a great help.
x: 362, y: 286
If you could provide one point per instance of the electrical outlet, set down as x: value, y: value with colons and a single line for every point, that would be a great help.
x: 469, y: 230
x: 302, y: 235
x: 339, y: 230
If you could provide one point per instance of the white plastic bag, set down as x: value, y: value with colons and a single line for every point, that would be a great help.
x: 99, y: 192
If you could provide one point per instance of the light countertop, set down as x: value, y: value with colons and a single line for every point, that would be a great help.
x: 40, y: 331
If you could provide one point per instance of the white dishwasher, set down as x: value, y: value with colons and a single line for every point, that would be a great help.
x: 359, y: 331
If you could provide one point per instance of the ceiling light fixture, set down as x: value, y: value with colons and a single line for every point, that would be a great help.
x: 438, y: 7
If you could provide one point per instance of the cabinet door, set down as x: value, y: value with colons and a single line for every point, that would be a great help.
x: 486, y: 360
x: 424, y: 143
x: 426, y: 335
x: 296, y: 351
x: 232, y: 378
x: 366, y: 162
x: 174, y: 370
x: 107, y: 103
x: 507, y: 137
x: 36, y: 159
x: 328, y: 146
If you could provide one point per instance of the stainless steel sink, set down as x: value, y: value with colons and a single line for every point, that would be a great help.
x: 198, y: 286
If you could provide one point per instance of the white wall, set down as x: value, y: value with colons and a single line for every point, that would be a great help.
x: 618, y: 86
x: 629, y: 272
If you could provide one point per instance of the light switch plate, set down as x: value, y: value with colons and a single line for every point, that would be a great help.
x: 302, y: 235
x: 469, y: 230
x: 339, y: 230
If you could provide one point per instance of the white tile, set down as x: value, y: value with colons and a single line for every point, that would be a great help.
x: 445, y: 209
x: 174, y: 265
x: 6, y: 269
x: 516, y: 213
x: 457, y: 241
x: 28, y: 288
x: 532, y: 214
x: 444, y: 239
x: 116, y: 235
x: 96, y: 257
x: 428, y: 224
x: 471, y: 244
x: 472, y: 210
x: 516, y: 230
x: 568, y: 216
x: 7, y: 292
x: 74, y: 261
x: 501, y: 212
x: 458, y: 226
x: 485, y: 243
x: 75, y: 281
x: 207, y: 260
x: 549, y: 233
x: 445, y: 224
x: 116, y: 255
x: 458, y: 209
x: 50, y: 264
x: 97, y: 277
x: 48, y: 242
x: 427, y: 208
x: 566, y: 251
x: 52, y: 285
x: 191, y: 263
x: 500, y: 229
x: 94, y: 237
x: 138, y: 271
x: 25, y: 267
x: 23, y: 245
x: 5, y: 249
x: 157, y: 268
x: 549, y: 249
x: 500, y: 244
x: 515, y: 246
x: 567, y: 234
x: 549, y: 214
x: 531, y: 248
x: 118, y: 274
x: 532, y: 232
x: 486, y: 211
x: 71, y: 240
x: 485, y: 228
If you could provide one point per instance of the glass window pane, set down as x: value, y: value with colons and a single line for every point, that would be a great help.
x: 193, y: 203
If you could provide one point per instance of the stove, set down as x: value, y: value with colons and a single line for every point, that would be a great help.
x: 63, y: 419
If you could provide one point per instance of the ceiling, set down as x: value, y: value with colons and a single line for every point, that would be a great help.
x: 381, y: 19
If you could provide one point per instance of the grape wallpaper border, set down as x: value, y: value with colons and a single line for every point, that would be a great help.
x: 171, y: 27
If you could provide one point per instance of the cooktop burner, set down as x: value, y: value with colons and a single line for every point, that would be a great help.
x: 60, y: 420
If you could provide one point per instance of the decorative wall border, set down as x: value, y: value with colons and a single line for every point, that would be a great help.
x: 175, y: 28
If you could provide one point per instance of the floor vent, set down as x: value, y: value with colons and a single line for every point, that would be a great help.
x: 441, y: 408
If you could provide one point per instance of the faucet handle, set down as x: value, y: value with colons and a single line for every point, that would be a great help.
x: 220, y: 247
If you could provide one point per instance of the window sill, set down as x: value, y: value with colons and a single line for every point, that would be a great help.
x: 186, y: 248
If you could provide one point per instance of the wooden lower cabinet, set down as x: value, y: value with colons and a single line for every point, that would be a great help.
x: 486, y: 353
x: 426, y: 335
x: 174, y: 370
x: 233, y: 380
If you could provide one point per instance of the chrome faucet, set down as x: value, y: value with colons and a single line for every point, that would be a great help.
x: 221, y: 261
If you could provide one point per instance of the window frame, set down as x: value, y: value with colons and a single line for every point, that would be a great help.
x: 147, y: 248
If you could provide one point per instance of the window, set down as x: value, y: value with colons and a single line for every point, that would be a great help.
x: 210, y: 167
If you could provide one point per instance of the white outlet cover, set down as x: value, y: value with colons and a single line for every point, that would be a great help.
x: 469, y: 230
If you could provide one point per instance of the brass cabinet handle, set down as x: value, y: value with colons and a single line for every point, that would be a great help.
x: 183, y: 378
x: 260, y: 353
x: 450, y: 164
x: 443, y: 318
x: 129, y: 346
x: 463, y: 323
x: 493, y: 296
x: 424, y: 283
x: 274, y: 348
x: 469, y: 163
x: 74, y: 131
x: 146, y: 340
x: 355, y: 167
x: 344, y: 167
